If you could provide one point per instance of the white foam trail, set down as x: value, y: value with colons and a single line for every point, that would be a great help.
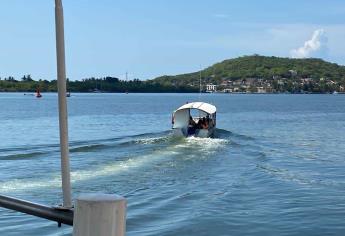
x: 201, y: 145
x: 151, y: 140
x: 19, y: 184
x: 82, y: 175
x: 206, y: 145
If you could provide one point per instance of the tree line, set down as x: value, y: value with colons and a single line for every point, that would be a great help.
x: 105, y: 84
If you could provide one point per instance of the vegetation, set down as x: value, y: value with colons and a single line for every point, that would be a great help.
x: 260, y: 67
x: 274, y: 74
x: 244, y: 74
x: 107, y: 84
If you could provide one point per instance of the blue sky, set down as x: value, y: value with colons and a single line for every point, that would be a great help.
x: 149, y: 38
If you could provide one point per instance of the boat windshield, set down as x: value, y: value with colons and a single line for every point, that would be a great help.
x: 195, y: 113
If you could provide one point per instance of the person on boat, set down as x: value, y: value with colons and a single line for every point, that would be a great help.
x: 208, y: 120
x: 204, y: 124
x: 191, y: 126
x: 198, y: 124
x: 201, y: 123
x: 191, y: 121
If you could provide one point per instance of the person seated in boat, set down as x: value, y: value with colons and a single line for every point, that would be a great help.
x: 204, y: 124
x: 199, y: 124
x: 207, y: 118
x: 191, y: 126
x: 191, y: 122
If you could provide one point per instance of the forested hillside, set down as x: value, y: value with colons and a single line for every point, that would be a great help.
x: 260, y: 67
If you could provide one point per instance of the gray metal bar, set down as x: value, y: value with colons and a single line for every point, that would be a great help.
x: 43, y: 211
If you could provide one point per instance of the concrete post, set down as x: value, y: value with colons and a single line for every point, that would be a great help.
x: 99, y: 215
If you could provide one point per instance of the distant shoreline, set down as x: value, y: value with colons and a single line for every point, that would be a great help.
x: 30, y: 93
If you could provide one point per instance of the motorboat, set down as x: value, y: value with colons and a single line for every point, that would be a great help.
x: 38, y: 94
x: 196, y: 119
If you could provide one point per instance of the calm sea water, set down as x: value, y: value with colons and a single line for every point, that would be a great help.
x: 276, y: 166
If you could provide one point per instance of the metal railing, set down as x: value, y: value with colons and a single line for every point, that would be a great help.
x: 61, y: 216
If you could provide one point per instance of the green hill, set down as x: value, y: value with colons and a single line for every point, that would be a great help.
x: 250, y: 74
x: 259, y: 67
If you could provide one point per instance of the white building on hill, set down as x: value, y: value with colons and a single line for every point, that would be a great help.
x: 210, y: 88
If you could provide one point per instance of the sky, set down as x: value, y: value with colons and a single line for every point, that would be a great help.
x: 150, y: 38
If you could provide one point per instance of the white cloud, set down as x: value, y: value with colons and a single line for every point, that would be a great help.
x: 314, y: 47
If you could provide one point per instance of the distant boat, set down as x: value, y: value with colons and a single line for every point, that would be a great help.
x: 38, y: 94
x: 96, y: 90
x: 68, y: 94
x: 335, y: 92
x: 203, y: 125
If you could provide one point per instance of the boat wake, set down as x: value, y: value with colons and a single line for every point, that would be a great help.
x: 111, y: 157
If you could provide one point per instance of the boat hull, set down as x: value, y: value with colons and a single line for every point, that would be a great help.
x: 200, y: 133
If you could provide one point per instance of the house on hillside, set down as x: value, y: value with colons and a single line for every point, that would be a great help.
x: 236, y: 89
x: 211, y: 88
x: 224, y: 83
x: 261, y: 90
x: 293, y: 72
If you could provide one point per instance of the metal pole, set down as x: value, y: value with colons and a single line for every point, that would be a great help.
x: 61, y: 82
x: 43, y: 211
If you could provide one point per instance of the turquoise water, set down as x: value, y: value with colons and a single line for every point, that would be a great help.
x: 276, y: 166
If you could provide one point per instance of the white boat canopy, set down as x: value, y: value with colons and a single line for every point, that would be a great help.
x: 208, y: 108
